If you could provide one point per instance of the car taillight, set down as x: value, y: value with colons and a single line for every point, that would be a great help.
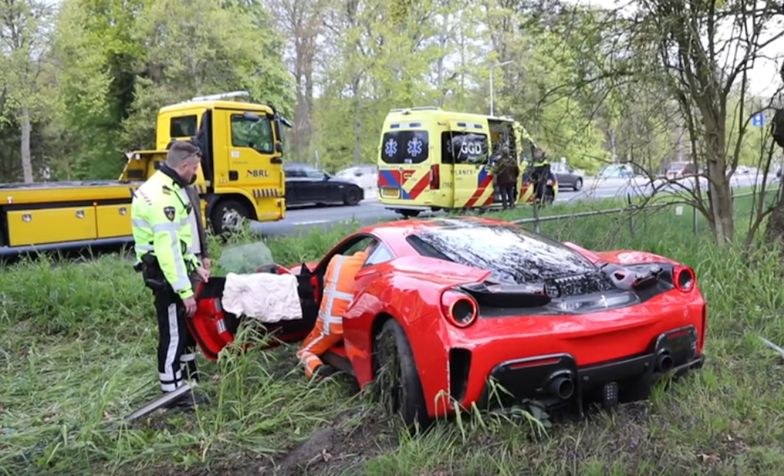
x: 459, y: 308
x: 435, y: 177
x: 704, y: 327
x: 314, y: 282
x: 683, y: 278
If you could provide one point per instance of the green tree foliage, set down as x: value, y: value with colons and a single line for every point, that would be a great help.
x: 383, y: 55
x: 24, y: 98
x: 122, y: 60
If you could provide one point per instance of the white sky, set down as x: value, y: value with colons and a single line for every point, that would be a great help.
x: 764, y: 77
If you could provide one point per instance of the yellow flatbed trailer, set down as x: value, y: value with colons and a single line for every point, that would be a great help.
x: 45, y: 216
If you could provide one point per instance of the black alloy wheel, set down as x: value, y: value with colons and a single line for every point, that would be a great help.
x: 396, y: 379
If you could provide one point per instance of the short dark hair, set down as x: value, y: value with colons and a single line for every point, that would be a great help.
x: 179, y: 152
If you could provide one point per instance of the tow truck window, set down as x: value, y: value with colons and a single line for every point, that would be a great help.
x: 463, y: 148
x: 252, y: 132
x: 405, y: 147
x: 184, y: 126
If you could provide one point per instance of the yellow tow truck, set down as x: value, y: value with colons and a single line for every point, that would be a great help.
x: 241, y: 177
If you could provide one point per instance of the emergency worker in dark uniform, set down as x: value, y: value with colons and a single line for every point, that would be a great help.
x: 168, y: 244
x: 540, y: 174
x: 505, y: 172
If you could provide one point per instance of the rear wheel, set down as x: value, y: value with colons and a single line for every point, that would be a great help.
x: 228, y: 216
x: 397, y: 381
x: 408, y: 213
x: 352, y: 196
x: 578, y: 184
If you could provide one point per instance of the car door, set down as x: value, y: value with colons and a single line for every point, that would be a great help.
x: 314, y: 186
x: 561, y: 174
x: 295, y: 178
x: 249, y: 153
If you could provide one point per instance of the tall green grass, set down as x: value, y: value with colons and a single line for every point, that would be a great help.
x: 77, y: 352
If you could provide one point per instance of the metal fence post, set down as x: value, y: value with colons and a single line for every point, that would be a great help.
x: 631, y: 214
x: 536, y: 217
x: 694, y: 218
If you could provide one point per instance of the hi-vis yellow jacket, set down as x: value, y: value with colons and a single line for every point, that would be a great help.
x: 163, y: 223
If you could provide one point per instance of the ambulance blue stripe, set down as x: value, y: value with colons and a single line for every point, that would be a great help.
x: 391, y: 179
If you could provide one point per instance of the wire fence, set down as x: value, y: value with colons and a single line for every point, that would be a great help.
x: 636, y: 220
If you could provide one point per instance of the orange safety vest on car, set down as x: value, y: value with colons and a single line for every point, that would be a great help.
x: 339, y: 290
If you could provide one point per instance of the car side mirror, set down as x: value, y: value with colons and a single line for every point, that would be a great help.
x: 279, y: 147
x: 327, y: 176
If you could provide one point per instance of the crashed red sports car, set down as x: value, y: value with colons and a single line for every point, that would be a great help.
x: 445, y: 307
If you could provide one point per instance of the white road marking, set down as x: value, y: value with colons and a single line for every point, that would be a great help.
x: 311, y: 222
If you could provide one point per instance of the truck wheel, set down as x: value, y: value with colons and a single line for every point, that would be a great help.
x: 578, y: 184
x: 228, y: 216
x: 408, y: 213
x: 352, y: 197
x: 397, y: 381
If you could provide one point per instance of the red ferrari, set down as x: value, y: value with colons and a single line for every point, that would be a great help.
x: 450, y: 313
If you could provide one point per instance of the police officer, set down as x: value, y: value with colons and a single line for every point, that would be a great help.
x: 541, y: 174
x: 167, y: 238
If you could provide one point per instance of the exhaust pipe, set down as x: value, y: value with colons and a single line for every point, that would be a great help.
x: 663, y: 361
x: 562, y: 386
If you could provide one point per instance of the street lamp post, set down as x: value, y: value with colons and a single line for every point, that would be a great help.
x: 492, y: 80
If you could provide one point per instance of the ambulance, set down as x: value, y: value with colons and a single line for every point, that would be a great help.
x: 432, y: 159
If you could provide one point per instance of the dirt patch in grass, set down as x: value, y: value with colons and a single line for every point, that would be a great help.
x: 342, y: 448
x: 337, y: 448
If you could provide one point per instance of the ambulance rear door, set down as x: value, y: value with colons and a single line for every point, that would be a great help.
x: 404, y: 167
x: 465, y: 156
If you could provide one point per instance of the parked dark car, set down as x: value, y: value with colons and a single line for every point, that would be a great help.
x: 308, y: 185
x: 567, y: 176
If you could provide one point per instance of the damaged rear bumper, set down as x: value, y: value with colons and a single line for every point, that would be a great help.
x: 555, y: 380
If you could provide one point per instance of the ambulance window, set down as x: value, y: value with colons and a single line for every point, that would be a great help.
x: 405, y: 147
x: 184, y: 126
x: 463, y: 148
x: 253, y: 132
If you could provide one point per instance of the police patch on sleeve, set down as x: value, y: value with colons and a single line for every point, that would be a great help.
x: 169, y: 212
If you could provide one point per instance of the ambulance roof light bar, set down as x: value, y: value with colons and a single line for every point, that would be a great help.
x: 221, y: 96
x: 406, y: 110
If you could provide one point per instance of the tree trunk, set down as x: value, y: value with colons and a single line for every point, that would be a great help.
x: 27, y: 164
x: 775, y: 232
x: 357, y: 154
x: 301, y: 136
x: 720, y: 192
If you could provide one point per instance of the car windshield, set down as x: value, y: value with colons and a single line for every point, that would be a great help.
x: 512, y: 255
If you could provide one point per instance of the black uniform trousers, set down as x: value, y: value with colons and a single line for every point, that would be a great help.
x: 507, y: 195
x: 176, y: 357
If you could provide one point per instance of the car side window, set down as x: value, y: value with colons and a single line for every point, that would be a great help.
x: 313, y: 173
x: 294, y: 173
x: 379, y: 255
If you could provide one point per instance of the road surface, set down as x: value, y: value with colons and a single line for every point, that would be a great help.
x: 301, y: 220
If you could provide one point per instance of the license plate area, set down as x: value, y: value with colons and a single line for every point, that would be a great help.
x: 390, y: 192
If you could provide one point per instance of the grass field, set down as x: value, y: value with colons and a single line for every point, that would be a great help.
x: 77, y: 340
